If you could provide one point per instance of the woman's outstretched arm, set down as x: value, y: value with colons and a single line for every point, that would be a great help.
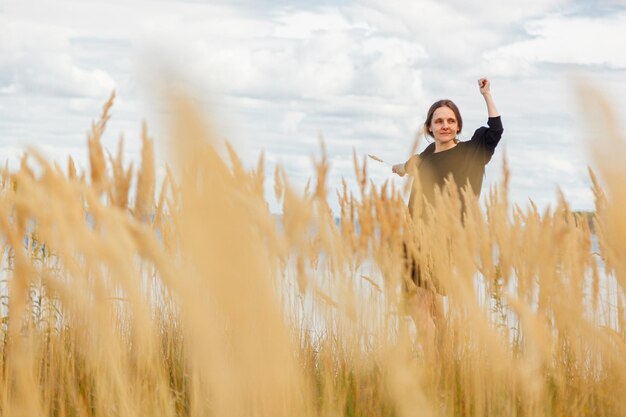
x: 485, y: 89
x: 398, y: 169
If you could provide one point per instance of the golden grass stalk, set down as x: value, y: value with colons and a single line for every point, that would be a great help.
x: 118, y: 194
x: 218, y: 309
x: 144, y: 200
x: 97, y: 162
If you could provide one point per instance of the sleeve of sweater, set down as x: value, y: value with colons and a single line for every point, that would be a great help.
x: 486, y: 138
x: 411, y: 166
x: 489, y: 137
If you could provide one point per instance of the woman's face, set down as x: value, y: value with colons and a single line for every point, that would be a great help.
x: 444, y: 125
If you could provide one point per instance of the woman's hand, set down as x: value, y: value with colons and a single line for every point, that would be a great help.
x: 484, y: 86
x: 398, y: 169
x: 485, y: 89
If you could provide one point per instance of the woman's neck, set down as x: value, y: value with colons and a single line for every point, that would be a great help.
x: 439, y: 147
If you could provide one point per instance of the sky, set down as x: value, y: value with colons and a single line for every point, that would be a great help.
x: 279, y: 76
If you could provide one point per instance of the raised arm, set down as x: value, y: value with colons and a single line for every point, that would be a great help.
x: 485, y: 89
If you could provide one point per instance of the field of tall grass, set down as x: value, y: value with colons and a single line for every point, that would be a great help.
x: 122, y: 296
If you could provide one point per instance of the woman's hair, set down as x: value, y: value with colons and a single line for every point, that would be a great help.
x: 442, y: 103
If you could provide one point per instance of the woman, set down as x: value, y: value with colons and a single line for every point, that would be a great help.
x: 447, y: 156
x: 465, y: 161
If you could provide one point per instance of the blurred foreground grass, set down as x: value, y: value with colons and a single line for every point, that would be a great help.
x: 198, y: 303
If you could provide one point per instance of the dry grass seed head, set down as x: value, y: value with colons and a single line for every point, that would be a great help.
x: 96, y: 154
x: 144, y: 200
x: 121, y: 177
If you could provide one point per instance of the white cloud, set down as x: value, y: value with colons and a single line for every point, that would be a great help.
x: 306, y: 24
x: 567, y: 40
x: 36, y: 59
x: 291, y: 120
x: 497, y: 13
x: 453, y: 33
x: 289, y: 62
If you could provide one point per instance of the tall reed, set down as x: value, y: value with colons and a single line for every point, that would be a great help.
x: 199, y: 302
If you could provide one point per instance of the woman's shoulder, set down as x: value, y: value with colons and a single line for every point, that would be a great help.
x: 488, y: 136
x: 430, y: 149
x: 414, y: 161
x: 493, y: 124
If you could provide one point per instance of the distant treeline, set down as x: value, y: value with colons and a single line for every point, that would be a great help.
x: 586, y: 215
